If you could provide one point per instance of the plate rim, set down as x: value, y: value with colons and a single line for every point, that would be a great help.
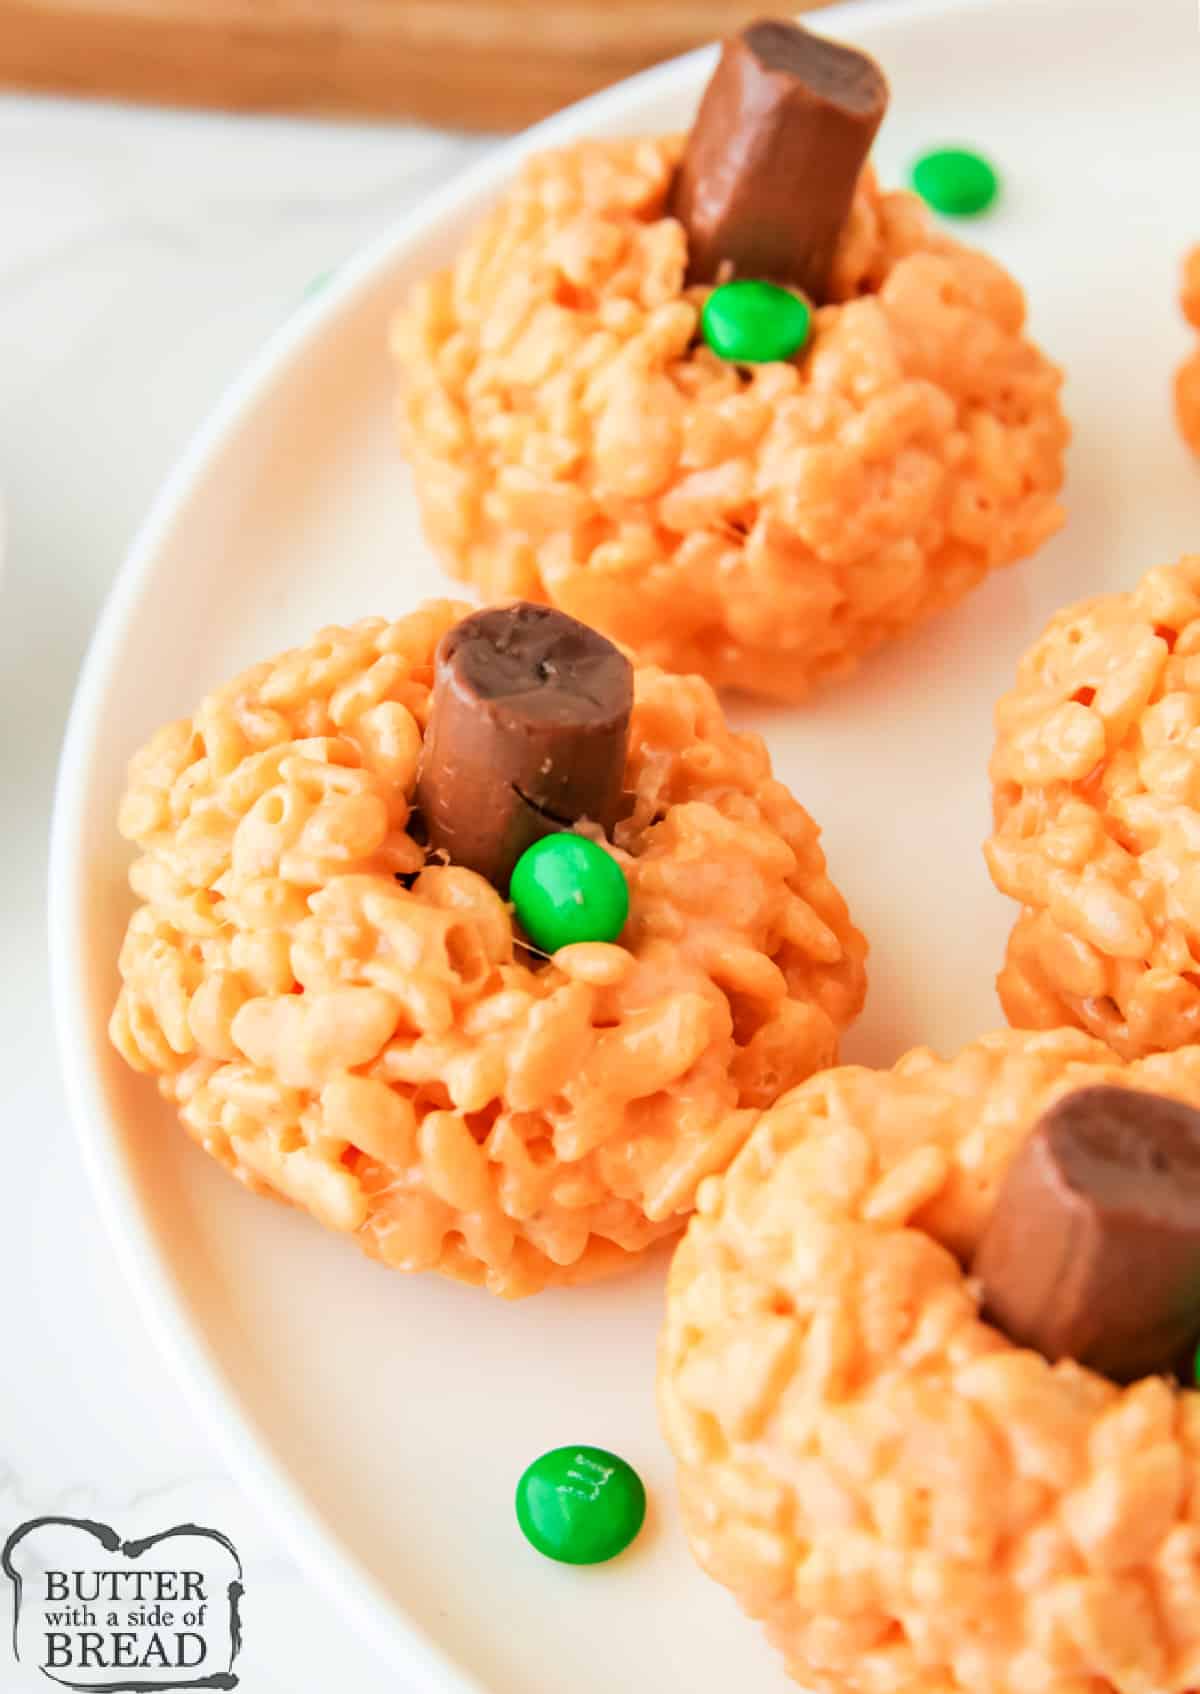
x: 303, y: 1532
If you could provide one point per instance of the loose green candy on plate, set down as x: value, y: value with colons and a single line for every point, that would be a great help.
x: 567, y: 889
x: 754, y: 323
x: 955, y: 181
x: 580, y: 1505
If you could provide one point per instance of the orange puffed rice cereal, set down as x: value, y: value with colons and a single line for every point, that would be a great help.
x: 1096, y: 781
x: 911, y: 1504
x: 571, y: 440
x: 353, y: 1030
x: 1187, y: 380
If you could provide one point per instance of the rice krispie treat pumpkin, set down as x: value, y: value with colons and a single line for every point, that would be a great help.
x: 1187, y: 380
x: 1096, y: 786
x: 912, y: 1502
x: 348, y: 1017
x: 760, y: 481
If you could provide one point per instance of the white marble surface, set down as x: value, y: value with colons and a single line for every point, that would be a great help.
x: 144, y: 256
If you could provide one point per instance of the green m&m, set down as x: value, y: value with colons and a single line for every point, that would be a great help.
x: 580, y: 1505
x: 567, y: 889
x: 753, y: 323
x: 955, y: 181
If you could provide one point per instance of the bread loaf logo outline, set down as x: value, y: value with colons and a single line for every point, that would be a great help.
x: 116, y: 1616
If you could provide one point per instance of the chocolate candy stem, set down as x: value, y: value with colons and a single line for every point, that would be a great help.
x: 526, y: 737
x: 769, y: 171
x: 1093, y: 1249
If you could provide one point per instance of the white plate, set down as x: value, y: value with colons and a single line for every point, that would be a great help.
x: 383, y: 1421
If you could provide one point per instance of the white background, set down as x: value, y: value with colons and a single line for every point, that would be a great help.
x: 144, y: 257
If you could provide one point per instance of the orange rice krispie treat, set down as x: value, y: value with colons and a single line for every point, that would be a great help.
x: 1096, y: 779
x: 910, y: 1502
x: 1187, y: 380
x: 351, y: 1023
x: 762, y: 520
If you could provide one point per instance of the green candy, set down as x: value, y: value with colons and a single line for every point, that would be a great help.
x: 567, y: 889
x: 955, y: 181
x: 580, y: 1505
x: 1196, y: 1368
x: 753, y: 323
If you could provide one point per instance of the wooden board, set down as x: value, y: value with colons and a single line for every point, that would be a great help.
x: 476, y: 64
